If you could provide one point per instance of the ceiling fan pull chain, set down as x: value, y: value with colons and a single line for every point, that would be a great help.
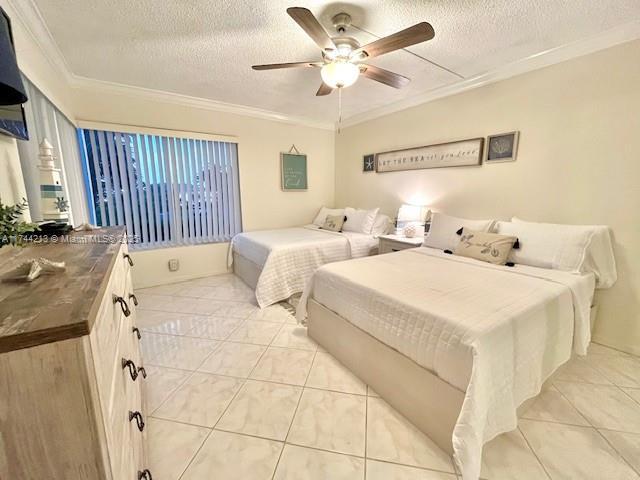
x: 339, y: 109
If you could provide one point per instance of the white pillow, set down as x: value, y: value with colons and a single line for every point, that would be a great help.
x: 548, y: 245
x: 359, y: 220
x: 324, y: 212
x: 381, y: 225
x: 443, y: 230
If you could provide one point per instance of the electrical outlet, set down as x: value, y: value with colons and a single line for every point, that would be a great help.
x: 174, y: 265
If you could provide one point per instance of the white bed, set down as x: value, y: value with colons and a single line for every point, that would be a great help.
x: 475, y: 339
x: 277, y: 263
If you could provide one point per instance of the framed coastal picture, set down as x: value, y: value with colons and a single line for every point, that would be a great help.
x: 462, y: 153
x: 502, y: 147
x: 293, y: 168
x: 369, y: 163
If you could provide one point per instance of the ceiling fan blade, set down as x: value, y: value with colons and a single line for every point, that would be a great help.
x: 324, y: 90
x: 384, y: 76
x: 310, y: 24
x: 420, y: 32
x: 273, y: 66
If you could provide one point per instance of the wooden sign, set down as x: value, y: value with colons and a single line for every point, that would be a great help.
x: 293, y: 167
x: 451, y: 154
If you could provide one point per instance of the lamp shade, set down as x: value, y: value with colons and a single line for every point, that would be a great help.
x: 412, y: 213
x: 12, y: 90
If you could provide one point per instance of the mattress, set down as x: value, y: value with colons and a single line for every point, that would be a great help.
x: 494, y: 332
x: 289, y: 256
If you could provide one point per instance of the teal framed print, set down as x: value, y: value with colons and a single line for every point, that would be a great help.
x: 293, y: 167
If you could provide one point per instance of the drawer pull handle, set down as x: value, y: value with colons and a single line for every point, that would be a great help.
x: 128, y: 258
x: 139, y: 420
x: 134, y: 299
x: 142, y: 372
x: 133, y: 370
x: 145, y: 475
x: 136, y: 330
x: 123, y: 305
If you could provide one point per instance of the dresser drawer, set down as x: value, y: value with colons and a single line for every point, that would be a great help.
x: 106, y: 329
x: 133, y: 452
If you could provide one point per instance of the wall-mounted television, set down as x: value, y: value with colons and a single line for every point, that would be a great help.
x: 12, y: 119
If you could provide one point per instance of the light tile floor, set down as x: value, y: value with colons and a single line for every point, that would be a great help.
x: 241, y: 393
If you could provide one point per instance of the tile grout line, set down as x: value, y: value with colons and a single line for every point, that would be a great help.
x: 172, y: 393
x: 366, y: 427
x: 526, y: 440
x: 219, y: 418
x: 426, y: 469
x: 294, y: 414
x: 622, y: 457
x: 597, y: 430
x: 555, y: 421
x: 622, y: 389
x: 324, y: 450
x: 212, y: 429
x: 256, y: 379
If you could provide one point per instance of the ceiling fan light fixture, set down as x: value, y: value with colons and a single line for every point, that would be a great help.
x: 340, y: 74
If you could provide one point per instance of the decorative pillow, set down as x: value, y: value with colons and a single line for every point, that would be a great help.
x: 547, y: 245
x: 488, y: 247
x: 381, y: 225
x: 442, y: 231
x: 599, y: 258
x: 360, y: 221
x: 324, y: 212
x: 333, y: 223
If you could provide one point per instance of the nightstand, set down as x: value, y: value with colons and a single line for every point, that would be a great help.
x: 395, y: 243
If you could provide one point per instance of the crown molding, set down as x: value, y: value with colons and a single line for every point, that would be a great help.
x: 609, y: 38
x: 29, y: 15
x: 193, y: 102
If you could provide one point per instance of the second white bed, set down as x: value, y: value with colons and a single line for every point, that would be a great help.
x: 287, y: 257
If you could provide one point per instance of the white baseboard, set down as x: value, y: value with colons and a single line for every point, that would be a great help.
x: 632, y: 349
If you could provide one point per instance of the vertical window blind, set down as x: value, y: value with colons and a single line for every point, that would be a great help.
x: 166, y: 190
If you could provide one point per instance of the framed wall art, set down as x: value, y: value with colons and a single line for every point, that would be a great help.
x: 502, y: 147
x: 293, y: 167
x: 451, y: 154
x: 369, y: 163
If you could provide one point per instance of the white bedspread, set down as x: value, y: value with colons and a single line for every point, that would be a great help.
x: 289, y: 256
x: 494, y: 332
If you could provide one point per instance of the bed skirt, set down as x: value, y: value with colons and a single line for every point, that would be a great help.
x: 248, y: 271
x: 427, y: 401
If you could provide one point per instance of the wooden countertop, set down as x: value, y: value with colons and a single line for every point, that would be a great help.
x: 59, y: 306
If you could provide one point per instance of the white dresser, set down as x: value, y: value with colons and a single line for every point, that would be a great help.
x: 72, y: 396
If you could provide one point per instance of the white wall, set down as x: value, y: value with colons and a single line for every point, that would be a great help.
x: 264, y: 204
x: 12, y: 189
x: 578, y: 162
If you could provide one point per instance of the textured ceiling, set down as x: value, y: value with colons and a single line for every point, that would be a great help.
x: 205, y: 48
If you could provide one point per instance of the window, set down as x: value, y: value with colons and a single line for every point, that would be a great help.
x: 167, y: 190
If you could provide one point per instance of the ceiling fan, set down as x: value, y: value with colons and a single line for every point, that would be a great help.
x: 342, y: 56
